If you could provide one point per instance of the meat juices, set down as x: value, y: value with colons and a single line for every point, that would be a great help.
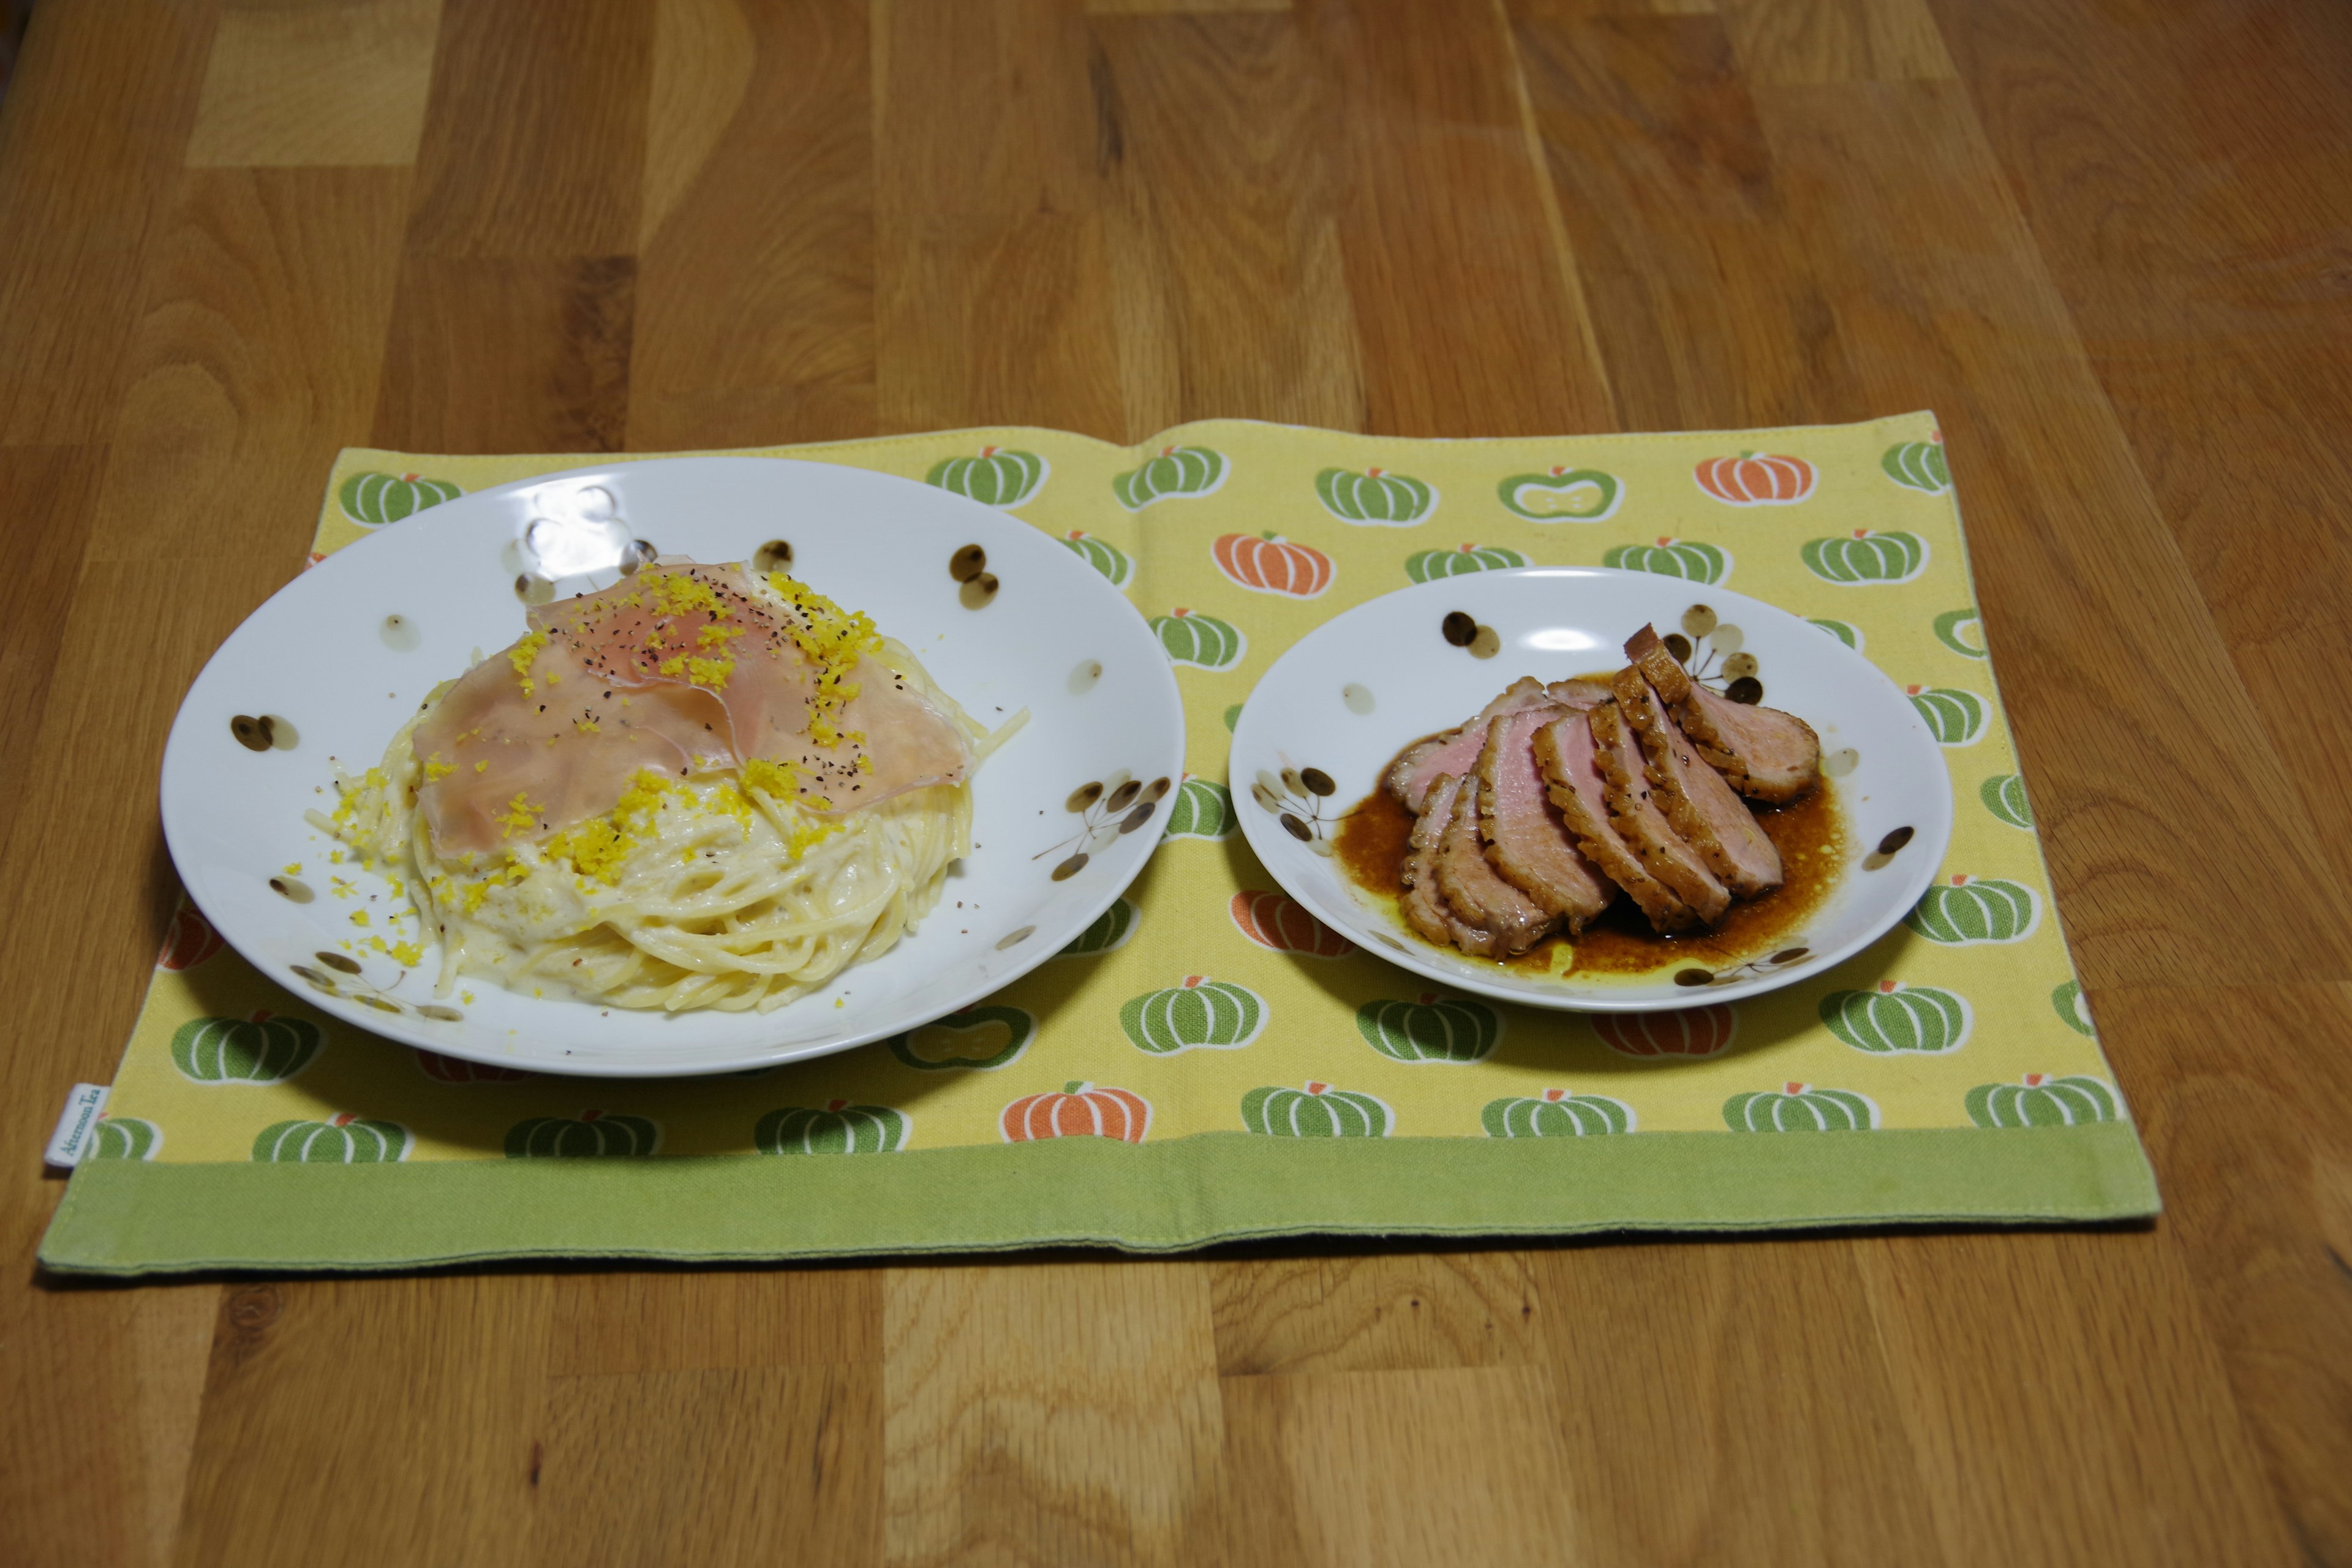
x: 1538, y: 812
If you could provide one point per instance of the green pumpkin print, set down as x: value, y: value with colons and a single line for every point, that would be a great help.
x: 1865, y: 558
x: 1562, y: 495
x: 1201, y: 641
x: 1557, y: 1114
x: 1102, y: 555
x: 347, y: 1140
x: 1375, y: 498
x: 1845, y: 631
x: 373, y: 500
x: 840, y: 1128
x: 998, y: 476
x: 1918, y: 466
x: 1202, y: 808
x: 2041, y: 1100
x: 1429, y: 565
x: 124, y: 1138
x: 1318, y: 1111
x: 2004, y: 795
x: 1233, y: 717
x: 1969, y: 911
x: 2073, y: 1007
x: 1954, y: 716
x: 1800, y: 1108
x: 982, y: 1039
x: 1962, y: 631
x: 262, y: 1048
x: 1682, y: 558
x: 1433, y: 1029
x: 594, y: 1136
x: 1896, y: 1019
x: 1199, y: 1014
x: 1176, y: 472
x: 1108, y: 932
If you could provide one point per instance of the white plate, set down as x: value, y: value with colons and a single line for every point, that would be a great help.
x: 323, y: 657
x: 1353, y: 692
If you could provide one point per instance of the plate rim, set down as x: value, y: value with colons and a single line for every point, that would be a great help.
x: 398, y: 1028
x: 1259, y: 833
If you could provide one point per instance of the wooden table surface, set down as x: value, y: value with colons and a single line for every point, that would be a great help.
x: 2110, y: 243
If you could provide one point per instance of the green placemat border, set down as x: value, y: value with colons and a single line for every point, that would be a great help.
x: 123, y: 1217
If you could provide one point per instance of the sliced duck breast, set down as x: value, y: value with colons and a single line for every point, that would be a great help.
x: 1634, y: 812
x: 1509, y: 921
x: 1579, y: 694
x: 1704, y: 810
x: 1564, y: 751
x: 1456, y: 750
x: 1526, y: 840
x: 1761, y: 752
x: 1425, y: 905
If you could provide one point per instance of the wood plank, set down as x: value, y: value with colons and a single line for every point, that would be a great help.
x: 1469, y: 324
x: 1903, y: 205
x: 56, y: 486
x: 1707, y: 314
x: 1822, y: 41
x: 725, y: 1465
x: 1404, y: 1467
x: 1216, y: 138
x: 535, y: 133
x: 701, y: 1320
x: 994, y: 281
x: 755, y: 290
x: 1300, y: 1316
x: 89, y: 151
x: 2246, y: 1099
x: 1049, y: 1413
x: 413, y: 1405
x: 1729, y: 1404
x: 334, y: 85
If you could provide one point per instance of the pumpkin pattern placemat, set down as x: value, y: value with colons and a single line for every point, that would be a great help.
x: 1208, y: 1061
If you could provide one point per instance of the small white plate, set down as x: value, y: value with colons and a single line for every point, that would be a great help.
x: 341, y: 655
x: 1355, y: 692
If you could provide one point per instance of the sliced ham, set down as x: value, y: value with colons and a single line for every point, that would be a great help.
x: 1425, y: 905
x: 1633, y: 813
x: 1704, y: 811
x: 1761, y: 752
x: 1508, y: 921
x: 1564, y: 751
x: 679, y: 667
x: 1526, y: 840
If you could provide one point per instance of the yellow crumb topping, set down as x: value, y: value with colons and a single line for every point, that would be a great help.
x: 434, y: 768
x: 519, y: 817
x: 523, y: 654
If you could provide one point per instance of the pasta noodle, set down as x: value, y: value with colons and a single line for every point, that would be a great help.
x: 715, y: 887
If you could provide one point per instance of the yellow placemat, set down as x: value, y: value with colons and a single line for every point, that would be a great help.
x: 1301, y: 1086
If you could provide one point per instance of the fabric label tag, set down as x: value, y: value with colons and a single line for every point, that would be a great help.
x: 71, y: 1140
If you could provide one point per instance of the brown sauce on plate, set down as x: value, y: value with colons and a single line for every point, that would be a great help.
x: 1809, y: 832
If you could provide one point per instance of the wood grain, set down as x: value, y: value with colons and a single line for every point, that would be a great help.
x: 2105, y: 243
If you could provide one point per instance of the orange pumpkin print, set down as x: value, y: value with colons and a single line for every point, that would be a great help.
x: 1272, y: 919
x: 1269, y: 563
x: 1757, y: 478
x: 1684, y: 1032
x: 1080, y: 1110
x: 190, y: 941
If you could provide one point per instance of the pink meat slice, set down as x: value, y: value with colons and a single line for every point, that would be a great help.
x: 1509, y: 921
x: 1456, y: 750
x: 1425, y: 905
x: 1709, y: 818
x: 1633, y: 813
x: 1564, y: 751
x: 1764, y: 753
x: 1526, y: 840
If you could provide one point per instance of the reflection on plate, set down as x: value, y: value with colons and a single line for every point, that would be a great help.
x: 1324, y: 722
x: 1004, y: 615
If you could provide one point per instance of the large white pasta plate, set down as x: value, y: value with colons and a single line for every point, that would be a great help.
x: 1346, y: 698
x: 323, y: 675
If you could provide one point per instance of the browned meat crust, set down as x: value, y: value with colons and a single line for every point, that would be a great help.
x: 1704, y: 812
x: 1425, y: 905
x: 1564, y: 749
x: 1633, y: 813
x: 1509, y: 921
x: 1526, y: 841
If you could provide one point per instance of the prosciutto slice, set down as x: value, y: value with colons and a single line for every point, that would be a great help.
x: 680, y: 667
